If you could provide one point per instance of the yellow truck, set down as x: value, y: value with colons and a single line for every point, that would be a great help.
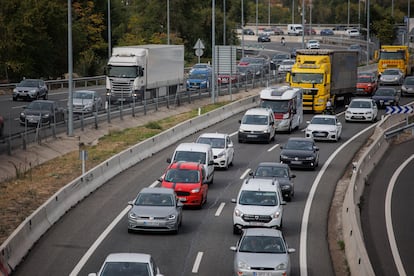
x: 324, y: 74
x: 395, y: 56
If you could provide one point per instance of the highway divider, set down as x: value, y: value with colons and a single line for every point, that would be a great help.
x: 13, y: 250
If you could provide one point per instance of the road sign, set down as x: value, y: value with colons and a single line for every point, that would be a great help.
x: 199, y: 52
x: 399, y: 109
x: 199, y: 45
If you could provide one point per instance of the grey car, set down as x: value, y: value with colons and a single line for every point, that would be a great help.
x: 407, y: 87
x: 86, y: 101
x: 30, y: 89
x: 42, y: 112
x: 262, y: 251
x: 155, y: 209
x: 391, y: 77
x: 281, y: 172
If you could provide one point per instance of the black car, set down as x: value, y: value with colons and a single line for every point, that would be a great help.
x: 293, y: 53
x: 263, y: 38
x: 30, y: 89
x: 386, y: 96
x: 326, y: 32
x: 300, y: 153
x: 42, y: 112
x: 281, y: 172
x: 248, y: 32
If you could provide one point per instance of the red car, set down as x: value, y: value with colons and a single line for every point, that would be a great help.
x: 186, y: 178
x: 225, y: 78
x: 366, y: 84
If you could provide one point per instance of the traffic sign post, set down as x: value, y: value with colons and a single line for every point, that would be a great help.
x: 199, y: 47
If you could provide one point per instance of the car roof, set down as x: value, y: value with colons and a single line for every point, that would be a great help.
x: 128, y: 257
x: 272, y: 164
x: 185, y: 165
x: 324, y: 116
x: 362, y: 99
x: 213, y: 135
x: 193, y: 147
x: 262, y: 232
x: 300, y: 139
x: 257, y: 111
x: 157, y: 190
x: 260, y: 184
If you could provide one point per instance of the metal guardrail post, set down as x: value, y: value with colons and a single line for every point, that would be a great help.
x: 8, y: 142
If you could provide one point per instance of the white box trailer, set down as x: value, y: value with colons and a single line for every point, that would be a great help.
x: 144, y: 71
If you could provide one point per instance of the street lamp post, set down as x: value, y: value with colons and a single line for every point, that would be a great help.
x: 242, y: 26
x: 303, y: 24
x: 257, y: 17
x: 293, y: 11
x: 224, y: 22
x: 70, y: 70
x: 213, y: 46
x: 349, y: 5
x: 109, y: 30
x: 168, y: 22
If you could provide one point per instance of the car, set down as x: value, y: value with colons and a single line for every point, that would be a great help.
x: 278, y: 58
x: 259, y: 203
x: 391, y: 77
x: 155, y: 209
x: 367, y: 84
x: 263, y: 38
x: 324, y: 127
x: 386, y: 96
x: 262, y: 251
x: 86, y: 101
x: 300, y: 153
x: 202, y: 66
x: 313, y: 44
x: 268, y: 31
x: 248, y: 32
x: 199, y: 79
x: 361, y: 109
x: 128, y: 264
x: 31, y: 89
x: 310, y: 31
x: 246, y: 71
x: 285, y: 66
x: 353, y: 33
x: 278, y: 31
x: 42, y: 112
x: 257, y: 125
x: 224, y: 78
x: 326, y: 32
x: 293, y: 53
x: 187, y: 180
x: 222, y: 146
x: 280, y: 172
x: 260, y: 63
x: 407, y: 87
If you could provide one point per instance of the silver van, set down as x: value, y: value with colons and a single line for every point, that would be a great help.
x: 257, y: 125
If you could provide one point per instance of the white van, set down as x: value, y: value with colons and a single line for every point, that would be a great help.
x: 257, y: 124
x: 287, y: 105
x: 295, y: 29
x: 195, y: 152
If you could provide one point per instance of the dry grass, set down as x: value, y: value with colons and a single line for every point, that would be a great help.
x: 21, y: 196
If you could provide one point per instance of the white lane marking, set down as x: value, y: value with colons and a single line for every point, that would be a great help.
x: 154, y: 184
x: 100, y: 239
x: 388, y: 218
x: 197, y: 262
x: 245, y: 173
x: 220, y: 209
x: 19, y: 106
x: 234, y: 133
x: 272, y: 148
x: 305, y: 219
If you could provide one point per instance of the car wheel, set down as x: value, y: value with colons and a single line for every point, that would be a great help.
x: 236, y: 230
x: 45, y: 96
x: 14, y: 99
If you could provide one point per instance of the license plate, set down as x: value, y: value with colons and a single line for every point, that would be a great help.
x: 251, y: 136
x: 262, y: 273
x: 182, y: 199
x: 319, y: 134
x: 358, y: 117
x: 256, y: 223
x: 152, y: 223
x: 296, y: 162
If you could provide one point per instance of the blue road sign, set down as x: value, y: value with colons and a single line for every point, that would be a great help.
x: 399, y: 109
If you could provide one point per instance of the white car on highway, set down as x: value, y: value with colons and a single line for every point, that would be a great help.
x: 222, y: 146
x: 361, y: 109
x: 324, y: 127
x: 313, y: 44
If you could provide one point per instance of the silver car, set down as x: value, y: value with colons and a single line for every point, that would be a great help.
x: 86, y: 101
x: 407, y: 87
x: 391, y: 77
x: 155, y: 209
x: 31, y: 89
x: 262, y: 251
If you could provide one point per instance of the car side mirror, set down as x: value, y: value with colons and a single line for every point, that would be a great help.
x: 239, y: 121
x: 168, y: 160
x: 293, y: 176
x: 316, y: 148
x: 180, y: 204
x: 233, y: 248
x: 131, y: 203
x: 233, y: 200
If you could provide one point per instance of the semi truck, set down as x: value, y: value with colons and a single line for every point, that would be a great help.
x: 324, y: 74
x: 143, y: 72
x: 395, y: 56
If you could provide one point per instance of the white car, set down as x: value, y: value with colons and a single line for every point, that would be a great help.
x: 324, y: 127
x: 353, y: 33
x: 86, y: 101
x: 128, y: 264
x: 286, y: 66
x: 222, y: 146
x: 361, y: 109
x: 313, y: 44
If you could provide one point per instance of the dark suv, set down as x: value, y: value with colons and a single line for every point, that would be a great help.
x: 30, y: 89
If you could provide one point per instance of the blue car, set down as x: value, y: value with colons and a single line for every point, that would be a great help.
x: 386, y: 96
x: 327, y: 32
x: 199, y: 79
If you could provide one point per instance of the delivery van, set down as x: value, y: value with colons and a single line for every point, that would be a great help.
x: 295, y: 29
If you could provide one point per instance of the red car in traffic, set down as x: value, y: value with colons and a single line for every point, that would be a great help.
x: 366, y: 85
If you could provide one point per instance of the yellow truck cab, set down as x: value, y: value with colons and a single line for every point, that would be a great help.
x: 395, y: 56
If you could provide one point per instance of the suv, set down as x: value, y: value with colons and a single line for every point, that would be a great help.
x: 257, y: 124
x: 259, y: 204
x: 186, y: 178
x: 30, y: 89
x: 222, y: 146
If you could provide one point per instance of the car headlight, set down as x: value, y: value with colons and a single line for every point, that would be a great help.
x: 243, y: 265
x: 368, y: 112
x: 276, y: 214
x: 22, y: 114
x: 282, y: 266
x: 310, y: 158
x: 241, y: 130
x: 285, y: 187
x: 88, y: 105
x: 46, y: 115
x: 348, y: 112
x: 203, y: 82
x: 172, y: 217
x: 194, y: 191
x: 238, y: 213
x: 15, y: 90
x: 132, y: 215
x: 284, y: 156
x: 221, y: 154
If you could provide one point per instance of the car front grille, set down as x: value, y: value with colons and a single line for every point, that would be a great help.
x: 182, y: 193
x: 257, y: 218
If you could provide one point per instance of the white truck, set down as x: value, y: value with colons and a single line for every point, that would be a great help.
x: 295, y: 29
x: 142, y: 72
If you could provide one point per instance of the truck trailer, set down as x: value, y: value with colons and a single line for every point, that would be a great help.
x: 143, y: 72
x: 324, y: 74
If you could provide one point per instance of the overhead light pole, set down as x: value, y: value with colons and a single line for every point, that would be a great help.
x: 257, y: 16
x: 70, y: 70
x: 349, y: 6
x: 303, y: 24
x: 242, y: 26
x: 224, y: 22
x: 293, y: 11
x: 168, y: 22
x: 268, y: 15
x: 109, y: 30
x: 213, y: 46
x: 368, y: 50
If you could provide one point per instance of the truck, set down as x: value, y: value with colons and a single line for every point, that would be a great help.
x: 143, y: 72
x: 295, y: 29
x: 395, y: 56
x: 324, y: 74
x: 286, y: 104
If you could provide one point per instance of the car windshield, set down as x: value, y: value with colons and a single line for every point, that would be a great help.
x: 154, y: 199
x: 255, y: 120
x: 262, y: 244
x: 125, y: 268
x: 288, y: 62
x: 391, y: 72
x: 182, y: 176
x: 271, y: 171
x: 281, y: 56
x: 198, y: 76
x: 360, y: 104
x: 307, y: 78
x: 364, y: 79
x: 40, y: 106
x: 385, y: 92
x: 323, y: 121
x: 299, y: 145
x: 276, y: 106
x: 258, y: 198
x: 29, y: 83
x: 82, y: 95
x: 199, y: 65
x: 409, y: 81
x: 216, y: 143
x: 190, y: 156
